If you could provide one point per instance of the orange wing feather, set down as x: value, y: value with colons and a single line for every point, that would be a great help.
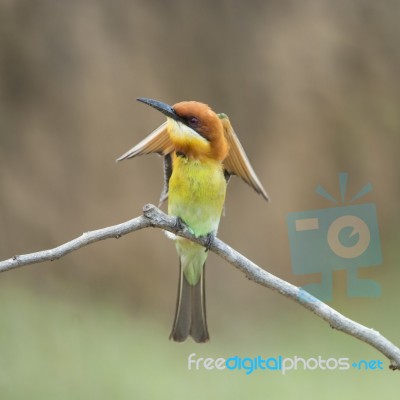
x: 157, y: 142
x: 237, y: 163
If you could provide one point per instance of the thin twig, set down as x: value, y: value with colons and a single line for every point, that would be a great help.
x: 153, y: 217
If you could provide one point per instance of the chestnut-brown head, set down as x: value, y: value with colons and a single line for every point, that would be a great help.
x: 195, y: 130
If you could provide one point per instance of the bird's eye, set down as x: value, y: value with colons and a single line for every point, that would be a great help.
x: 193, y: 121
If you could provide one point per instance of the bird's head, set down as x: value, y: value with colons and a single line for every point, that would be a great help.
x: 195, y: 130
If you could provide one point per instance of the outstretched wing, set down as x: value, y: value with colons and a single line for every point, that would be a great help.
x: 157, y: 142
x: 237, y: 163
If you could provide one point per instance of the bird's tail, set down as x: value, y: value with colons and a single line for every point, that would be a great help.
x: 190, y: 315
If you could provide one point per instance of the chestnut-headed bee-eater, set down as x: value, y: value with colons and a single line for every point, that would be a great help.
x: 201, y: 151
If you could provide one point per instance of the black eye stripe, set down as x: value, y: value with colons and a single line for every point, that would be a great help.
x: 193, y: 121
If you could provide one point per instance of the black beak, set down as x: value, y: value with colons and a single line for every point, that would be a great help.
x: 162, y: 107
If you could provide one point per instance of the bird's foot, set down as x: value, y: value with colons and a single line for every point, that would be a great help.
x: 209, y: 241
x: 179, y: 224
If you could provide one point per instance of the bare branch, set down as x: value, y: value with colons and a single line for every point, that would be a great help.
x: 153, y: 217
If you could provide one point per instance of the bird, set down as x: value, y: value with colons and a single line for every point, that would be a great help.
x: 201, y: 151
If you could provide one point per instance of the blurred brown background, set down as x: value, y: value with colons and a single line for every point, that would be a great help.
x: 312, y: 89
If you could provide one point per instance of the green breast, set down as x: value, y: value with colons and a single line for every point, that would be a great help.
x: 197, y: 193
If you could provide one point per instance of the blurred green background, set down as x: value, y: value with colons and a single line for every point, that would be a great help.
x: 312, y: 89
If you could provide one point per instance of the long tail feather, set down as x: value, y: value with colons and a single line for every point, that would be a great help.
x: 190, y: 315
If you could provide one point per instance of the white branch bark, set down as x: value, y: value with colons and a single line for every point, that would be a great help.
x: 153, y: 217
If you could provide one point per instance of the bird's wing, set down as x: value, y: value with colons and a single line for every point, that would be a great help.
x: 237, y: 163
x: 167, y: 176
x: 157, y: 142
